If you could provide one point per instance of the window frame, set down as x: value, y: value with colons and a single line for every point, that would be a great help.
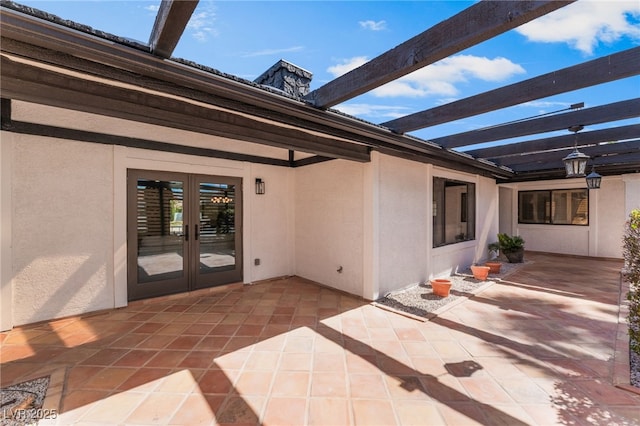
x: 550, y: 209
x: 439, y: 211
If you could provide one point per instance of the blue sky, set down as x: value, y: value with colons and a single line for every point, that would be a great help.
x: 328, y: 38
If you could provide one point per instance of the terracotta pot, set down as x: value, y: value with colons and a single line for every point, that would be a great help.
x: 494, y: 267
x: 480, y: 272
x: 441, y: 287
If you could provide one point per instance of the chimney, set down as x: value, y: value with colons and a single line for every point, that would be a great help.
x: 287, y: 77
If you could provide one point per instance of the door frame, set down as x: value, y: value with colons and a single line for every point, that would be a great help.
x: 192, y: 279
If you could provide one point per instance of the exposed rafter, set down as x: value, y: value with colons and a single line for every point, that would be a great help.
x: 631, y: 159
x: 171, y: 20
x: 602, y: 70
x: 555, y: 157
x: 600, y: 114
x: 595, y: 136
x: 478, y: 23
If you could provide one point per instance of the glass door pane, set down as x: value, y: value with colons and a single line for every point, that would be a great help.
x: 157, y: 237
x: 217, y: 233
x: 160, y: 230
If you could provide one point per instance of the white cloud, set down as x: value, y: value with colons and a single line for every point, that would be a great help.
x: 373, y: 25
x: 373, y: 111
x: 269, y: 52
x: 200, y: 25
x: 585, y: 24
x: 440, y: 79
x: 152, y: 8
x: 347, y: 65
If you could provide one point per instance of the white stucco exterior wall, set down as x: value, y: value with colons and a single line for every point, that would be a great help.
x: 329, y: 219
x: 6, y: 215
x: 404, y: 227
x: 608, y: 209
x: 62, y: 219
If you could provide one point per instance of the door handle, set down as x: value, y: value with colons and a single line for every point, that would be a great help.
x: 197, y: 233
x: 186, y: 232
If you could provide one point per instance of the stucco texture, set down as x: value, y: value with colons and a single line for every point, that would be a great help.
x: 329, y: 224
x: 62, y: 228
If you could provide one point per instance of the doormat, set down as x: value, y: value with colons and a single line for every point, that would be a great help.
x: 21, y: 404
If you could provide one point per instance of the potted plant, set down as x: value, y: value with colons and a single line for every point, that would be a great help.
x: 440, y: 286
x: 512, y: 246
x: 480, y: 273
x: 493, y: 264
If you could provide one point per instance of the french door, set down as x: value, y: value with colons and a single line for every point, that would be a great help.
x: 184, y: 232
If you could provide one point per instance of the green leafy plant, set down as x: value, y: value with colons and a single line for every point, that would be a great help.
x: 631, y: 254
x: 510, y: 244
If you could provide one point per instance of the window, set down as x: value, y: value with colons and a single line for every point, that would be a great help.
x: 454, y: 211
x: 556, y: 207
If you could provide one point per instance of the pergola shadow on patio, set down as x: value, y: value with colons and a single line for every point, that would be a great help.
x: 538, y: 349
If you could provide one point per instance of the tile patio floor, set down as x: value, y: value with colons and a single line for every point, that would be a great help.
x: 537, y: 350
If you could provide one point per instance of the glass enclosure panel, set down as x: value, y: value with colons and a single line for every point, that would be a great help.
x: 159, y: 230
x: 217, y: 233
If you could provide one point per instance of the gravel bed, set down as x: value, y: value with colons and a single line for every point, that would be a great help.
x: 419, y: 299
x: 21, y: 402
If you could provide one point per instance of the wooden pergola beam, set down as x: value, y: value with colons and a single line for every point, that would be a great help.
x: 478, y: 23
x: 171, y: 20
x: 600, y: 114
x: 596, y: 136
x: 555, y: 157
x: 630, y: 159
x: 602, y: 70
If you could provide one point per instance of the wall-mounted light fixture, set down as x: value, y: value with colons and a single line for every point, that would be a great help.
x: 593, y: 179
x: 259, y: 186
x: 575, y: 163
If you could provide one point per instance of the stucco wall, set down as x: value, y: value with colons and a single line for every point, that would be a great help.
x: 404, y: 223
x: 601, y: 238
x: 272, y: 219
x: 62, y: 220
x: 329, y: 224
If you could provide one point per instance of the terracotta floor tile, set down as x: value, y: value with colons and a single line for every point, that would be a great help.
x: 182, y: 381
x: 263, y: 360
x: 292, y: 361
x: 105, y: 357
x: 197, y: 359
x: 215, y: 381
x: 167, y: 358
x: 195, y: 410
x: 329, y: 411
x: 329, y: 362
x: 373, y: 412
x: 108, y: 379
x: 144, y: 379
x: 368, y: 386
x: 496, y: 358
x: 114, y: 409
x: 135, y: 358
x: 285, y: 411
x: 80, y: 398
x: 328, y: 385
x: 156, y: 409
x: 291, y: 384
x: 184, y: 342
x: 254, y: 383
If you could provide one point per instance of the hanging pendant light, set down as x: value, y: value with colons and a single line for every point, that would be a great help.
x: 593, y: 179
x: 575, y: 163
